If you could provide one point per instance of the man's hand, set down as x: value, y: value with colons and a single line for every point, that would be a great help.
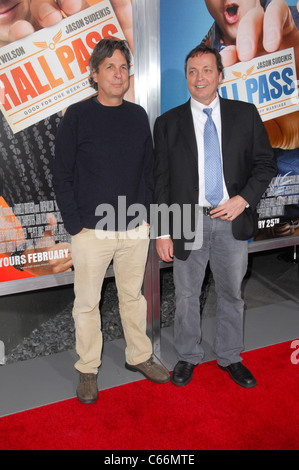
x: 123, y: 11
x: 48, y: 13
x: 230, y: 209
x: 261, y: 32
x: 45, y: 13
x: 164, y: 247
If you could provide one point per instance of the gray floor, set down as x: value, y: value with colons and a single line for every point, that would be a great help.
x: 272, y: 316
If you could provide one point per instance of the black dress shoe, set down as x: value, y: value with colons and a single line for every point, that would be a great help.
x: 182, y: 373
x: 240, y: 374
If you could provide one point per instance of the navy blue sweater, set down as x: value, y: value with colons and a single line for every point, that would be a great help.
x: 101, y: 153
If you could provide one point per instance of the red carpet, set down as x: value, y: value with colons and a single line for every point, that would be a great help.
x: 211, y: 413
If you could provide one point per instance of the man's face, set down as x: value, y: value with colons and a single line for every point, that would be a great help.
x: 228, y: 14
x: 10, y: 12
x: 112, y: 78
x: 203, y: 77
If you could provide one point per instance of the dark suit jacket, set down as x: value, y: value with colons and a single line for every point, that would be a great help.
x: 248, y: 163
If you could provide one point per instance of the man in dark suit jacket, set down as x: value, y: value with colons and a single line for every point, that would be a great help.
x: 220, y: 231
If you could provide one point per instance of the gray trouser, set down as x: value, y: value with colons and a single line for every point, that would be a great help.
x: 228, y: 259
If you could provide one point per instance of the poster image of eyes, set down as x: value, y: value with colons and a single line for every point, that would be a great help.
x: 259, y: 44
x: 44, y: 53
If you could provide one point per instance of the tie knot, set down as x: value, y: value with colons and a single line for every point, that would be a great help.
x: 208, y: 111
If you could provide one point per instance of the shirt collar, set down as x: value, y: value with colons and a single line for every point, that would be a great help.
x: 199, y: 107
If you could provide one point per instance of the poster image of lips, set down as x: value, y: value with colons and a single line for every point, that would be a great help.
x: 44, y: 54
x: 259, y: 44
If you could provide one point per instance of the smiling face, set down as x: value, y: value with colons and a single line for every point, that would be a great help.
x: 112, y: 78
x: 228, y: 14
x: 203, y: 77
x: 10, y: 12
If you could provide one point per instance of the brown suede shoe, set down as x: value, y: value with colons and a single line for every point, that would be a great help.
x: 151, y: 370
x: 87, y: 390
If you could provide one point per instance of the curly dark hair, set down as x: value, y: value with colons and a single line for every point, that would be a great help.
x: 106, y: 48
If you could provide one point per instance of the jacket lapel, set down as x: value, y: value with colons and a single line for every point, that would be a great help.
x: 187, y: 128
x: 227, y: 131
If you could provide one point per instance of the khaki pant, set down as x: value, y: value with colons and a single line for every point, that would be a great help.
x: 92, y: 252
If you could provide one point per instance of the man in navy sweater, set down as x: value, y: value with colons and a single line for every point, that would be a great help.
x: 104, y: 170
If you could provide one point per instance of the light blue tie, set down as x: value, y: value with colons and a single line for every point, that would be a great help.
x: 213, y: 167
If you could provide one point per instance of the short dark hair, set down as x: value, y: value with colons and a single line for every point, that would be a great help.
x: 204, y: 49
x: 106, y: 48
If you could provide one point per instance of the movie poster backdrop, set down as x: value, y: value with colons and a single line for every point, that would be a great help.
x: 268, y: 79
x: 40, y: 76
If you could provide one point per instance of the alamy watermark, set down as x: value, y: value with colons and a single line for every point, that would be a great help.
x: 295, y: 354
x: 2, y: 92
x: 163, y: 220
x: 2, y: 353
